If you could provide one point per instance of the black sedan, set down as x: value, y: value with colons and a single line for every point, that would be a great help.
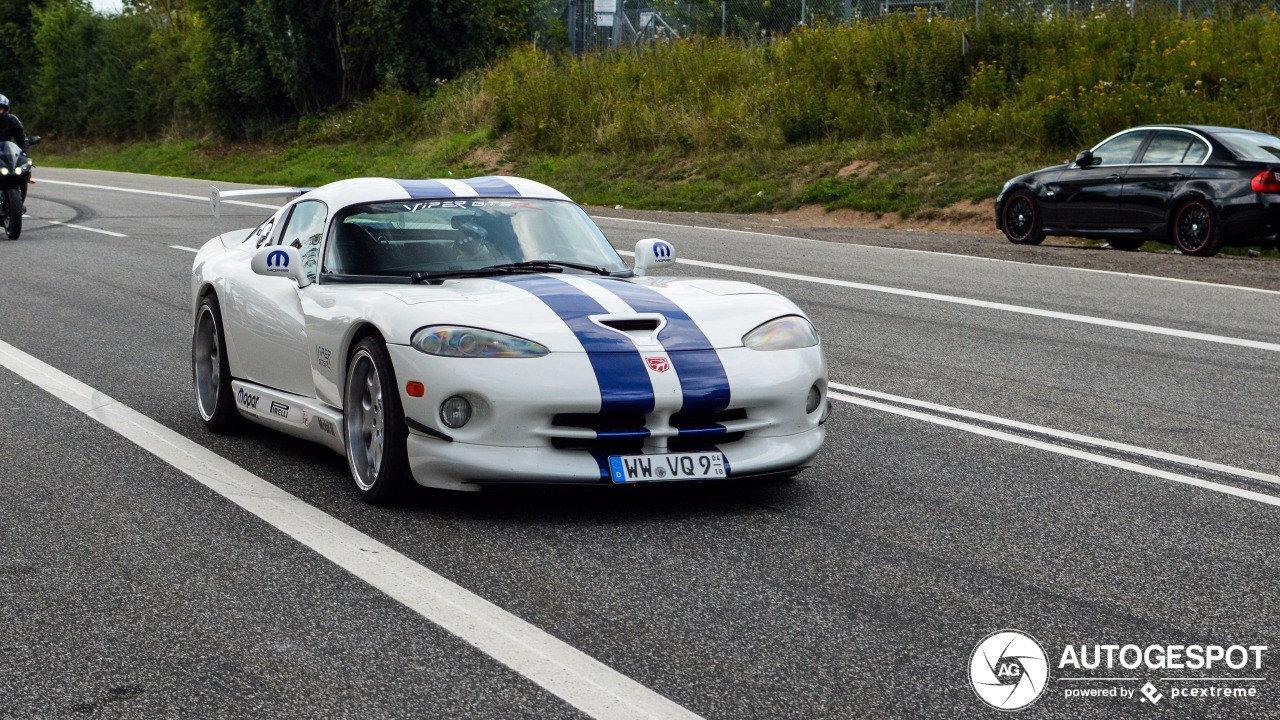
x: 1197, y: 187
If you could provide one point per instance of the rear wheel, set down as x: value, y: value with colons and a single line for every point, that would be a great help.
x: 210, y: 369
x: 12, y: 213
x: 373, y: 425
x: 1195, y: 229
x: 1020, y: 219
x: 1127, y: 244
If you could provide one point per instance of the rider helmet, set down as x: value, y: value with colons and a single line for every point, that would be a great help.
x: 4, y: 102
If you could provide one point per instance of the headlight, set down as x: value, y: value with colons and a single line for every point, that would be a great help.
x: 451, y: 341
x: 784, y: 333
x: 22, y: 169
x: 4, y: 171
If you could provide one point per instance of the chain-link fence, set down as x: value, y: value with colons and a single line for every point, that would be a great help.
x: 599, y: 25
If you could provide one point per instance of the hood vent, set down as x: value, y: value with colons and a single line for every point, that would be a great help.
x: 646, y: 324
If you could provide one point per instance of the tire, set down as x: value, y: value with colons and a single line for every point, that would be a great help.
x: 210, y: 371
x: 12, y: 213
x: 373, y: 425
x: 1127, y: 244
x: 1194, y: 229
x: 1020, y: 219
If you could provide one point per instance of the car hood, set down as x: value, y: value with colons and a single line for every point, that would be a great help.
x: 555, y: 310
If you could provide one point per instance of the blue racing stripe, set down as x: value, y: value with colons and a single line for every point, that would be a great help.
x: 492, y: 187
x: 620, y: 371
x: 426, y: 188
x: 702, y: 377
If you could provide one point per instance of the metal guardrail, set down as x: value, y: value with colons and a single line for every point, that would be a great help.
x: 599, y: 25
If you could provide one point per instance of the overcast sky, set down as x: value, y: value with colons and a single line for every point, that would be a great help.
x: 107, y: 6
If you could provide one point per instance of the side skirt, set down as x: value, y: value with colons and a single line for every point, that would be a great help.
x: 305, y: 418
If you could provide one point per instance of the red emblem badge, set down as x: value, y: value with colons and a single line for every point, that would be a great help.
x: 658, y: 364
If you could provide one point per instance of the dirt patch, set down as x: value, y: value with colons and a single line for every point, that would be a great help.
x: 858, y: 168
x: 961, y: 217
x: 490, y: 157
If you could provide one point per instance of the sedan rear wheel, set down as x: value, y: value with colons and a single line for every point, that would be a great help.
x: 1020, y: 220
x: 373, y: 424
x: 1195, y: 229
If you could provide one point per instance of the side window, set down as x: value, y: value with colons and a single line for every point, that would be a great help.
x: 1170, y: 147
x: 1118, y: 150
x: 304, y: 231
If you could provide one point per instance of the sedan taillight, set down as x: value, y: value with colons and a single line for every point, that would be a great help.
x: 1266, y: 181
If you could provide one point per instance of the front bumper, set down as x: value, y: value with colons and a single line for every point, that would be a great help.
x: 528, y: 418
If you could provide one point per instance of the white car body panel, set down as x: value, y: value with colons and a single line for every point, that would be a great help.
x: 287, y: 349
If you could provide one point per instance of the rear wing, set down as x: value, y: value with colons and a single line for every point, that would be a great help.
x: 216, y: 196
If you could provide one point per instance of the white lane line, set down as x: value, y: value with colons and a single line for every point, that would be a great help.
x: 184, y: 247
x: 954, y: 255
x: 570, y: 674
x: 1060, y: 450
x: 82, y: 227
x: 157, y: 193
x: 986, y: 304
x: 1064, y: 435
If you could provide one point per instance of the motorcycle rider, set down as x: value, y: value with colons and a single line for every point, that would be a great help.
x: 10, y: 126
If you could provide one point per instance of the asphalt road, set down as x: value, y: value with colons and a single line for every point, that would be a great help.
x: 127, y: 589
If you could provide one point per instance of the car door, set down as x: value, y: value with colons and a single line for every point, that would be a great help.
x: 1150, y: 185
x: 1089, y: 198
x: 271, y: 344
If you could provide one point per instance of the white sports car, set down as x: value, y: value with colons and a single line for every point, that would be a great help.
x: 464, y: 332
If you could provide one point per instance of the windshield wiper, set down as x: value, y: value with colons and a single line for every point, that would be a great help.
x: 551, y: 264
x: 528, y: 266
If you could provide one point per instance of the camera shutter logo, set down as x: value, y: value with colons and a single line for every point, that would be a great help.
x: 1008, y: 670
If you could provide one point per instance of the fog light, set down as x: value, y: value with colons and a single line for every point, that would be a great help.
x: 815, y: 398
x: 455, y: 412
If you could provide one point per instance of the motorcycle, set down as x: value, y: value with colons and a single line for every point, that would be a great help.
x: 15, y: 175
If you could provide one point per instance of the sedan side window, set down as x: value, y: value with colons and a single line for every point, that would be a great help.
x: 1170, y: 147
x: 1118, y: 150
x: 304, y: 231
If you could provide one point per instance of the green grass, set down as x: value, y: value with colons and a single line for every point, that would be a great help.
x: 886, y: 118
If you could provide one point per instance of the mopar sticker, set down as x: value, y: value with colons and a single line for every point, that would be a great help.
x: 279, y: 409
x: 662, y: 251
x: 278, y: 261
x: 247, y: 400
x: 322, y: 357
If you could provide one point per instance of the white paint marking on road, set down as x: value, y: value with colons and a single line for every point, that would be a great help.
x: 1064, y: 435
x: 180, y: 196
x: 1061, y: 450
x: 580, y: 680
x: 986, y: 304
x: 82, y: 227
x: 954, y: 255
x: 184, y: 247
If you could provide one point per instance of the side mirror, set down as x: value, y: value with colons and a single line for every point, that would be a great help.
x: 653, y: 253
x: 33, y: 141
x: 1084, y: 159
x: 281, y: 261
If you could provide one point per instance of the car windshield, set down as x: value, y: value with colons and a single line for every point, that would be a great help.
x: 1252, y: 145
x: 439, y: 236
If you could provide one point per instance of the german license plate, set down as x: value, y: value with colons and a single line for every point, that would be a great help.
x: 666, y: 467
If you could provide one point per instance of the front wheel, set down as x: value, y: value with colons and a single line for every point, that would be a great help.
x: 373, y: 425
x: 210, y: 369
x: 1195, y: 229
x: 12, y: 213
x: 1020, y: 219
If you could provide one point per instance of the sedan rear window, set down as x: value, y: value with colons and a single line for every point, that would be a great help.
x: 1251, y: 145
